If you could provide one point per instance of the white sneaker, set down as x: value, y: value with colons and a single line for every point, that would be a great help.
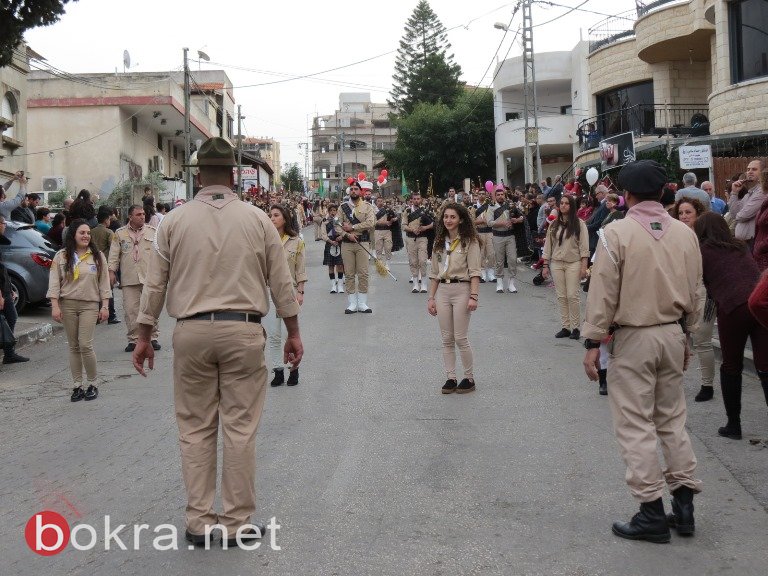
x: 511, y: 286
x: 483, y: 276
x: 415, y: 289
x: 362, y: 304
x: 424, y: 286
x: 352, y: 308
x: 411, y: 280
x: 491, y: 275
x: 333, y: 286
x: 500, y: 285
x: 340, y: 286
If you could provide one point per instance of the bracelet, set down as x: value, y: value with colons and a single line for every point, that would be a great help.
x: 473, y: 294
x: 430, y: 298
x: 473, y: 297
x: 300, y: 291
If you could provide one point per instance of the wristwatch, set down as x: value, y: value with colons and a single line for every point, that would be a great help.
x: 591, y: 344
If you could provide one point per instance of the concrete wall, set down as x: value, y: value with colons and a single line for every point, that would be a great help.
x: 13, y: 79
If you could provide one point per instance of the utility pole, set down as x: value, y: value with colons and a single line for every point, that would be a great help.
x: 239, y: 153
x: 531, y: 152
x: 341, y: 170
x: 187, y: 135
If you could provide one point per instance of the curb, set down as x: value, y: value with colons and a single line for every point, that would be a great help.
x: 36, y: 333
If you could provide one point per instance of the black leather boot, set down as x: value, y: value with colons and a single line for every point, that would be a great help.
x: 10, y: 357
x: 730, y: 385
x: 764, y: 381
x: 681, y: 517
x: 279, y: 378
x: 649, y: 524
x: 293, y: 377
x: 603, y: 375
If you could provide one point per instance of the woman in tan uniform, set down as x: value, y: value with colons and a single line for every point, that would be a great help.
x: 454, y: 281
x: 79, y: 291
x: 294, y: 253
x: 566, y: 253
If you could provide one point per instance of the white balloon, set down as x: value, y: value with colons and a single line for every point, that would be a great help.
x: 592, y: 176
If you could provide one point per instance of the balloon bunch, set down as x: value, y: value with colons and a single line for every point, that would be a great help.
x: 489, y: 186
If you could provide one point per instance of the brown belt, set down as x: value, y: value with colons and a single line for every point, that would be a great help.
x: 226, y: 317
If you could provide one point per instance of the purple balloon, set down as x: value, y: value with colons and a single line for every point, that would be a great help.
x: 489, y: 186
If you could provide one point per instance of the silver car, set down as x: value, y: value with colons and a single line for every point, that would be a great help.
x: 28, y: 259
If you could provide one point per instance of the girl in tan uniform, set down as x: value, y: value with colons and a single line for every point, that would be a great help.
x: 454, y: 282
x: 79, y: 291
x: 294, y: 253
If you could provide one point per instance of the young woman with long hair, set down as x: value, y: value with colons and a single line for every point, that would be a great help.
x: 687, y: 210
x: 453, y: 292
x: 79, y: 290
x: 293, y: 246
x: 566, y: 254
x: 730, y: 275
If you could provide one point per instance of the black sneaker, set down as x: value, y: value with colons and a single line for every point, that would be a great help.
x: 279, y: 378
x: 77, y: 394
x: 465, y: 386
x: 564, y: 333
x: 730, y: 430
x: 575, y: 334
x: 293, y: 377
x: 197, y: 540
x: 246, y: 538
x: 13, y: 358
x: 113, y: 321
x: 92, y: 392
x: 705, y: 394
x: 449, y: 386
x: 131, y: 347
x: 155, y: 345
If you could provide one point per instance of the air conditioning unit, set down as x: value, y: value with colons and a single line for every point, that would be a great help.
x: 54, y: 183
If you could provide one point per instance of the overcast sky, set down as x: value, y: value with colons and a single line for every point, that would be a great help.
x: 276, y: 40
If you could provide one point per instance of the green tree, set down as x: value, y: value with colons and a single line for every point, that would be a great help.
x: 18, y: 16
x: 424, y: 69
x: 292, y: 178
x: 449, y: 143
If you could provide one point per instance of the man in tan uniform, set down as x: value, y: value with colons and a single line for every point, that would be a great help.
x: 488, y: 255
x: 416, y: 223
x: 385, y: 218
x: 129, y: 253
x: 219, y: 369
x: 357, y: 220
x: 643, y: 289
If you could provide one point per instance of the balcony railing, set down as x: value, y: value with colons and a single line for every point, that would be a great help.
x: 612, y: 29
x: 643, y: 8
x: 644, y: 120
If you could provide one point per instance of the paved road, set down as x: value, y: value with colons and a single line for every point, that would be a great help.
x: 375, y: 472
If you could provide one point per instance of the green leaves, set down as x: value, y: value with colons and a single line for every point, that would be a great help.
x: 18, y: 16
x: 292, y: 178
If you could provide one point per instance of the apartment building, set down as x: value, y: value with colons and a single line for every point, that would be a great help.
x: 97, y: 130
x: 14, y: 143
x: 267, y: 149
x: 351, y: 140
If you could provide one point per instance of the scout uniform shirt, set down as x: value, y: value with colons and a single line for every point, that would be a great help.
x: 412, y: 220
x: 84, y: 284
x: 457, y: 263
x: 215, y: 254
x: 294, y: 253
x: 647, y: 271
x: 366, y: 216
x: 124, y: 253
x: 571, y: 249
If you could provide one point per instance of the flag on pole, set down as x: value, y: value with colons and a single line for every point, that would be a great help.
x: 403, y: 185
x: 321, y: 189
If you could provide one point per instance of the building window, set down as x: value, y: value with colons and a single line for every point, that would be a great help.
x: 135, y: 124
x: 511, y: 116
x: 748, y: 20
x: 160, y: 142
x: 230, y: 121
x: 9, y: 111
x: 175, y: 152
x: 626, y: 109
x: 566, y: 110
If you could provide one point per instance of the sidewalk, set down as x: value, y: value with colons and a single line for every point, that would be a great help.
x: 35, y: 325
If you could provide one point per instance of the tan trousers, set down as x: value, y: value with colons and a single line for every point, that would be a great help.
x: 79, y: 318
x: 219, y: 375
x: 417, y: 256
x: 453, y: 317
x: 505, y: 246
x: 487, y: 254
x: 567, y: 281
x: 702, y: 346
x: 131, y: 300
x: 383, y: 244
x: 648, y: 406
x: 355, y: 263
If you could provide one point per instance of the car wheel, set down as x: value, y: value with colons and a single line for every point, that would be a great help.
x: 19, y: 292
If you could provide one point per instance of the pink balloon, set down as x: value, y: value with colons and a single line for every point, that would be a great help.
x: 384, y: 173
x: 381, y: 178
x: 361, y: 176
x: 489, y: 186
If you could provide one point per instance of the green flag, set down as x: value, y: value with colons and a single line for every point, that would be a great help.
x: 403, y: 185
x: 321, y: 189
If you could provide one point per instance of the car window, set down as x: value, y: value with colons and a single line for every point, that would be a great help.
x: 30, y: 237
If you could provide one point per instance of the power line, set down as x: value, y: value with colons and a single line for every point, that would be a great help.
x: 561, y: 15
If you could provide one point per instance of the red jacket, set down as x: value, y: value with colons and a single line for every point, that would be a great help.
x: 758, y: 301
x: 760, y: 250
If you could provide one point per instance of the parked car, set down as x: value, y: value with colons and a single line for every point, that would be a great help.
x: 28, y: 259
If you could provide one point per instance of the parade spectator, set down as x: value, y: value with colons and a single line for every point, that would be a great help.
x: 566, y: 256
x: 57, y: 229
x: 585, y: 208
x: 7, y: 306
x: 79, y: 291
x: 690, y: 190
x: 730, y: 275
x: 758, y: 301
x: 598, y: 215
x: 43, y: 220
x: 159, y: 212
x: 716, y: 204
x: 760, y: 248
x: 8, y: 206
x: 745, y: 206
x: 293, y: 247
x: 26, y: 212
x: 453, y: 291
x: 612, y: 203
x: 82, y: 208
x: 102, y: 237
x: 688, y: 210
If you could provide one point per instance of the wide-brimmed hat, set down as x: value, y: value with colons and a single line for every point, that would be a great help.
x: 215, y: 152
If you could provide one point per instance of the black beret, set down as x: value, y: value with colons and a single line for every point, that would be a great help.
x: 643, y: 178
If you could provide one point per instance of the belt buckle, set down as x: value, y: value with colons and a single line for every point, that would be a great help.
x: 447, y: 280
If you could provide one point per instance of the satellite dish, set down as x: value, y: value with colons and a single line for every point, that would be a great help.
x: 203, y: 56
x: 126, y: 60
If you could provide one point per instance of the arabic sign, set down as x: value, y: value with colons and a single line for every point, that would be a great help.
x: 692, y: 157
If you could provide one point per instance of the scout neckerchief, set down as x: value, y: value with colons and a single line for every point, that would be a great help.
x: 78, y: 261
x: 449, y: 248
x: 284, y: 238
x: 135, y: 236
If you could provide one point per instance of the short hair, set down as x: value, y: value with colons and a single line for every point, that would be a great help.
x: 103, y: 213
x: 33, y: 196
x: 612, y: 197
x: 133, y: 209
x: 601, y: 189
x: 689, y: 178
x: 41, y: 213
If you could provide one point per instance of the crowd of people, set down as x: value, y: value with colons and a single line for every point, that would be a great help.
x: 574, y: 235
